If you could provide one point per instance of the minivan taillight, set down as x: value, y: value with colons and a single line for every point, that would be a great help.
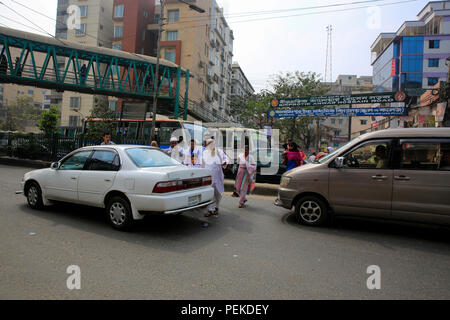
x: 206, y: 181
x: 169, y: 186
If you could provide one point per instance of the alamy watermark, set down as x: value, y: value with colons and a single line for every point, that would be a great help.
x: 374, y: 18
x: 74, y: 280
x: 374, y: 280
x: 74, y: 19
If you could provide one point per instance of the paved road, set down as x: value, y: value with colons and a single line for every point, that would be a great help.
x: 259, y: 252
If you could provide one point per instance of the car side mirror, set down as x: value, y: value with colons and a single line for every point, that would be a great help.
x: 339, y: 162
x: 54, y: 165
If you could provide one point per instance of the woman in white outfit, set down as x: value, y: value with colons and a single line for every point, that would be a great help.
x: 215, y: 160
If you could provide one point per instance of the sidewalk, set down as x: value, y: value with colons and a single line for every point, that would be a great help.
x: 264, y: 189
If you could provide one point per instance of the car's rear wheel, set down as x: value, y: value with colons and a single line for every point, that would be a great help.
x: 34, y: 196
x: 311, y: 210
x: 119, y: 213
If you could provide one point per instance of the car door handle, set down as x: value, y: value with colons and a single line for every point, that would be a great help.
x: 402, y: 178
x: 108, y: 180
x: 73, y: 178
x: 379, y: 177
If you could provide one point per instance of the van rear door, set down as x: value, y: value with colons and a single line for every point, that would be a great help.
x: 421, y: 190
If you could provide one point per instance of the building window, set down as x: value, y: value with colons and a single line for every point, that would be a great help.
x: 433, y: 63
x: 341, y: 121
x: 412, y: 45
x: 75, y: 102
x: 61, y: 35
x: 432, y: 81
x: 173, y: 15
x: 411, y: 80
x: 333, y: 121
x: 101, y: 27
x: 83, y: 11
x: 172, y: 35
x: 73, y: 121
x: 363, y: 122
x: 337, y: 132
x: 143, y: 34
x: 118, y: 11
x: 412, y: 63
x: 118, y: 31
x: 170, y: 55
x: 113, y: 105
x: 434, y: 44
x: 117, y: 46
x: 81, y: 31
x: 30, y: 92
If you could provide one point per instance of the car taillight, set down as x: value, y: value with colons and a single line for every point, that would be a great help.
x: 169, y: 186
x: 206, y: 181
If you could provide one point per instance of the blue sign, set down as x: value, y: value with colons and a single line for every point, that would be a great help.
x: 342, y: 112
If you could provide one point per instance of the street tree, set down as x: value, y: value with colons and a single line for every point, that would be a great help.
x: 20, y: 114
x: 49, y: 121
x: 293, y: 85
x: 106, y: 116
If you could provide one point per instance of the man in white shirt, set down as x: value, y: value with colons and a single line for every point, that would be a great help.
x: 175, y: 150
x: 107, y: 139
x: 192, y: 152
x: 215, y: 160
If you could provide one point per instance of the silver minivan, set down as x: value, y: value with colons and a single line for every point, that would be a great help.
x: 394, y: 174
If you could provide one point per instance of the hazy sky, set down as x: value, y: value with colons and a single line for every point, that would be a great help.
x: 268, y: 46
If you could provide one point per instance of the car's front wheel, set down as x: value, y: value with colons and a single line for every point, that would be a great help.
x: 311, y: 210
x: 34, y: 196
x: 119, y: 213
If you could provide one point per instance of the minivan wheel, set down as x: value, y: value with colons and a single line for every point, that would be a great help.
x: 311, y: 210
x: 119, y: 213
x: 34, y: 196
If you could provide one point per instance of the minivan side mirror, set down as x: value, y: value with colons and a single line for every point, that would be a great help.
x: 54, y: 165
x: 339, y: 162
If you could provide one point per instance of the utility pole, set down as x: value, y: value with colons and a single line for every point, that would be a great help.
x: 158, y: 56
x: 350, y: 126
x: 156, y: 80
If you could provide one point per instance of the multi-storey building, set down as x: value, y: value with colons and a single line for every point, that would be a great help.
x: 96, y: 29
x: 202, y: 43
x: 131, y: 18
x: 240, y: 86
x: 414, y: 57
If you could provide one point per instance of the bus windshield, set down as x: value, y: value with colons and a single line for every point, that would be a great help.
x: 196, y: 132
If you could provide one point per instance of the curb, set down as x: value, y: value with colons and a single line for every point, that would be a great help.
x: 37, y: 164
x: 263, y: 189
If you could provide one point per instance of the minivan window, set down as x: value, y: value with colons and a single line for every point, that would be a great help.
x: 371, y: 155
x: 324, y: 159
x: 419, y: 155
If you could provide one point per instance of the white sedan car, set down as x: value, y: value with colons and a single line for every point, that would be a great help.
x: 129, y: 181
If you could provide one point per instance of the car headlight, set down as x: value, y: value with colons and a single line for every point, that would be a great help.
x: 285, y: 181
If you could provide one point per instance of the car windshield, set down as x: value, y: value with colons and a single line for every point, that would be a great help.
x: 147, y: 158
x: 324, y: 159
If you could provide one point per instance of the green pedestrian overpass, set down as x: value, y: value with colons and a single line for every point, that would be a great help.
x: 34, y: 60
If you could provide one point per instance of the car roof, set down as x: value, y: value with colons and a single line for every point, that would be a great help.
x: 409, y: 133
x: 116, y: 147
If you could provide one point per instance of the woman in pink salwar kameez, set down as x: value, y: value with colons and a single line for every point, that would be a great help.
x: 245, y: 180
